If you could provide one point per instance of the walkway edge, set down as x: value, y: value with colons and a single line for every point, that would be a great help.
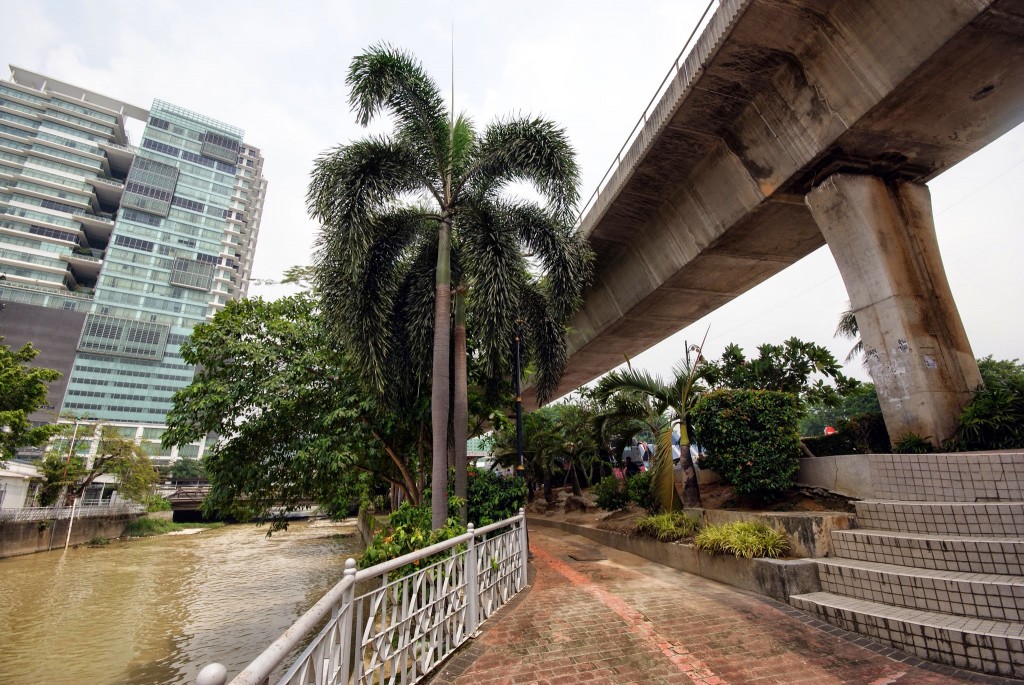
x: 774, y: 578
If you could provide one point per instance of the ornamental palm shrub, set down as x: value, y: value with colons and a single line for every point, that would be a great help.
x: 751, y: 439
x: 669, y: 526
x: 746, y: 539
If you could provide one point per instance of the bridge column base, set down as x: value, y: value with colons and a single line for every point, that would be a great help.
x: 882, y: 236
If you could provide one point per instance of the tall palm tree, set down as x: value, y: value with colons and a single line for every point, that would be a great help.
x: 408, y: 216
x: 649, y: 394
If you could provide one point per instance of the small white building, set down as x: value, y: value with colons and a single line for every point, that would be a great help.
x: 16, y: 487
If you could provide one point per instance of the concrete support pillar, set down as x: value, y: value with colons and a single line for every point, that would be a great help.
x: 882, y: 236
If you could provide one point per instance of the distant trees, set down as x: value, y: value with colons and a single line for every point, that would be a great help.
x: 22, y: 391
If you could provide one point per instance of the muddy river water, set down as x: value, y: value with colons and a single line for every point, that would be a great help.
x: 157, y: 610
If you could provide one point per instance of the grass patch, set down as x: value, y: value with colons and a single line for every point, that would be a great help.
x: 145, y: 527
x: 98, y: 541
x: 668, y: 527
x: 746, y: 539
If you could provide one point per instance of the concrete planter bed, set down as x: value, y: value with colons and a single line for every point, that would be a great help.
x: 775, y: 578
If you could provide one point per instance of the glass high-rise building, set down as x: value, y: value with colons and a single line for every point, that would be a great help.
x: 110, y: 253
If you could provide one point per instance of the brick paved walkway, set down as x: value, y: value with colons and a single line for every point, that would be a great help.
x: 627, y: 620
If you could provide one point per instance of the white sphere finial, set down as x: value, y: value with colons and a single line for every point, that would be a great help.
x: 212, y: 674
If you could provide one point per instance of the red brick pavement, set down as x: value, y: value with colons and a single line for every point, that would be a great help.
x: 627, y: 620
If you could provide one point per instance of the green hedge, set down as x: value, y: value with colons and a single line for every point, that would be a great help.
x: 751, y: 439
x: 859, y: 434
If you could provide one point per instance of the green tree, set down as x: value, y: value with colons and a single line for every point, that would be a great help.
x: 410, y: 216
x: 860, y: 400
x: 187, y: 468
x: 806, y: 370
x: 65, y: 470
x: 295, y: 422
x: 22, y: 391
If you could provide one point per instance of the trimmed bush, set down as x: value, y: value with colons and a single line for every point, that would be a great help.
x: 611, y: 493
x: 639, y: 487
x: 751, y: 439
x: 668, y: 527
x: 746, y: 539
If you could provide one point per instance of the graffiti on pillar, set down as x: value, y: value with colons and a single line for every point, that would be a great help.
x: 871, y: 354
x: 903, y: 346
x: 929, y: 362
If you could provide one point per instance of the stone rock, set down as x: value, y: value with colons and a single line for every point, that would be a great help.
x: 574, y: 503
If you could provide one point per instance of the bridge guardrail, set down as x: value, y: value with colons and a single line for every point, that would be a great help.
x: 401, y: 628
x: 672, y: 73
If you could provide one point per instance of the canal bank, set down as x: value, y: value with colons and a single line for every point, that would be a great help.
x: 156, y: 610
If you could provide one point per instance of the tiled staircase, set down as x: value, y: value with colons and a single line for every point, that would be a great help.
x: 941, y: 580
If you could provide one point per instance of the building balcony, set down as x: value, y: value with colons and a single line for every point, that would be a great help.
x: 119, y: 156
x: 108, y: 190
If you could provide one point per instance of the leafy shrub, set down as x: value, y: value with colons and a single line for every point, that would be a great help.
x: 668, y: 527
x: 751, y: 439
x: 407, y: 530
x: 639, y: 489
x: 157, y: 503
x: 98, y: 541
x: 912, y: 443
x: 611, y: 493
x: 859, y: 434
x: 994, y: 418
x: 492, y: 497
x: 746, y: 539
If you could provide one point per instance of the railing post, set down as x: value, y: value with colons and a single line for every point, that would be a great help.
x: 524, y: 548
x: 472, y: 585
x: 348, y: 642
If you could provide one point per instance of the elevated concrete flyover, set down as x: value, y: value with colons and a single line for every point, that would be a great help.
x: 856, y: 100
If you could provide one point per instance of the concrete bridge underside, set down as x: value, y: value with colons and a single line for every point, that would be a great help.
x: 777, y: 97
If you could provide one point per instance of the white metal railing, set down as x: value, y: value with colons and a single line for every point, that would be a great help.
x: 400, y: 628
x: 673, y: 72
x: 83, y: 511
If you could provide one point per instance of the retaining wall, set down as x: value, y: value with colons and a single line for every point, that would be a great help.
x: 944, y: 477
x: 27, y: 537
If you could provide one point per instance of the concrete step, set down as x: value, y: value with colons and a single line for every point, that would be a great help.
x: 988, y: 646
x: 943, y: 518
x: 967, y: 554
x: 977, y: 595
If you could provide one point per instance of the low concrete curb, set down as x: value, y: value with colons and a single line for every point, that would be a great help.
x: 775, y: 578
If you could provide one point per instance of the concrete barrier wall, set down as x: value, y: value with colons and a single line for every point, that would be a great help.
x: 27, y: 537
x: 848, y: 474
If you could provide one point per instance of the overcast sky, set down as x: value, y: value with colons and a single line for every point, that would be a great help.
x: 277, y: 70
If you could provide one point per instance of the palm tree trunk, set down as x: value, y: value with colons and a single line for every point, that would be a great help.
x: 441, y: 380
x: 460, y: 420
x: 688, y: 488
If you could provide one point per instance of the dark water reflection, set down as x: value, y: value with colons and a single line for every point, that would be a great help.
x: 157, y: 610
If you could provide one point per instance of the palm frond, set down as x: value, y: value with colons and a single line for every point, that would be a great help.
x: 533, y: 150
x: 385, y: 78
x: 634, y: 380
x: 365, y: 297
